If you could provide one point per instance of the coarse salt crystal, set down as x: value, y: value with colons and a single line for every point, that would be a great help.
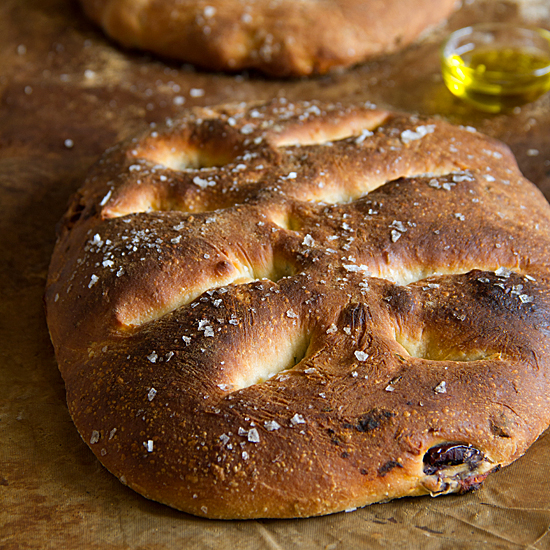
x: 503, y: 272
x: 106, y: 198
x: 364, y: 134
x: 357, y: 268
x: 459, y: 178
x: 399, y: 225
x: 297, y: 419
x: 361, y: 355
x: 202, y: 183
x: 395, y: 235
x: 271, y: 425
x: 308, y: 240
x: 418, y: 133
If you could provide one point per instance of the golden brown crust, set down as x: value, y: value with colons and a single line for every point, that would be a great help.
x: 285, y: 310
x: 278, y: 37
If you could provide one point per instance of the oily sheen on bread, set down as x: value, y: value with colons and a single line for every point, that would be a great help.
x: 293, y: 309
x: 278, y: 37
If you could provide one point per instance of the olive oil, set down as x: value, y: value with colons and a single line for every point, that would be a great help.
x: 497, y: 79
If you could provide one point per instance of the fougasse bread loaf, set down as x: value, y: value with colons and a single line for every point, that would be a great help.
x: 278, y: 37
x: 291, y: 309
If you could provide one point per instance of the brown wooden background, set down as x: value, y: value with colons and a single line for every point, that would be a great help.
x: 60, y: 80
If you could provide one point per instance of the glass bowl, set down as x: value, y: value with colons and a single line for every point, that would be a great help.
x: 497, y: 66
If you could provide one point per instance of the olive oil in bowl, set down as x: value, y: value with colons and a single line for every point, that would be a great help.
x: 497, y: 67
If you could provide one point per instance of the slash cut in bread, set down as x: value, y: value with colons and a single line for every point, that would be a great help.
x: 291, y: 309
x: 278, y: 37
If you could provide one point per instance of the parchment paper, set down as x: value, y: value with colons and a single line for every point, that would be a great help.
x: 66, y: 94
